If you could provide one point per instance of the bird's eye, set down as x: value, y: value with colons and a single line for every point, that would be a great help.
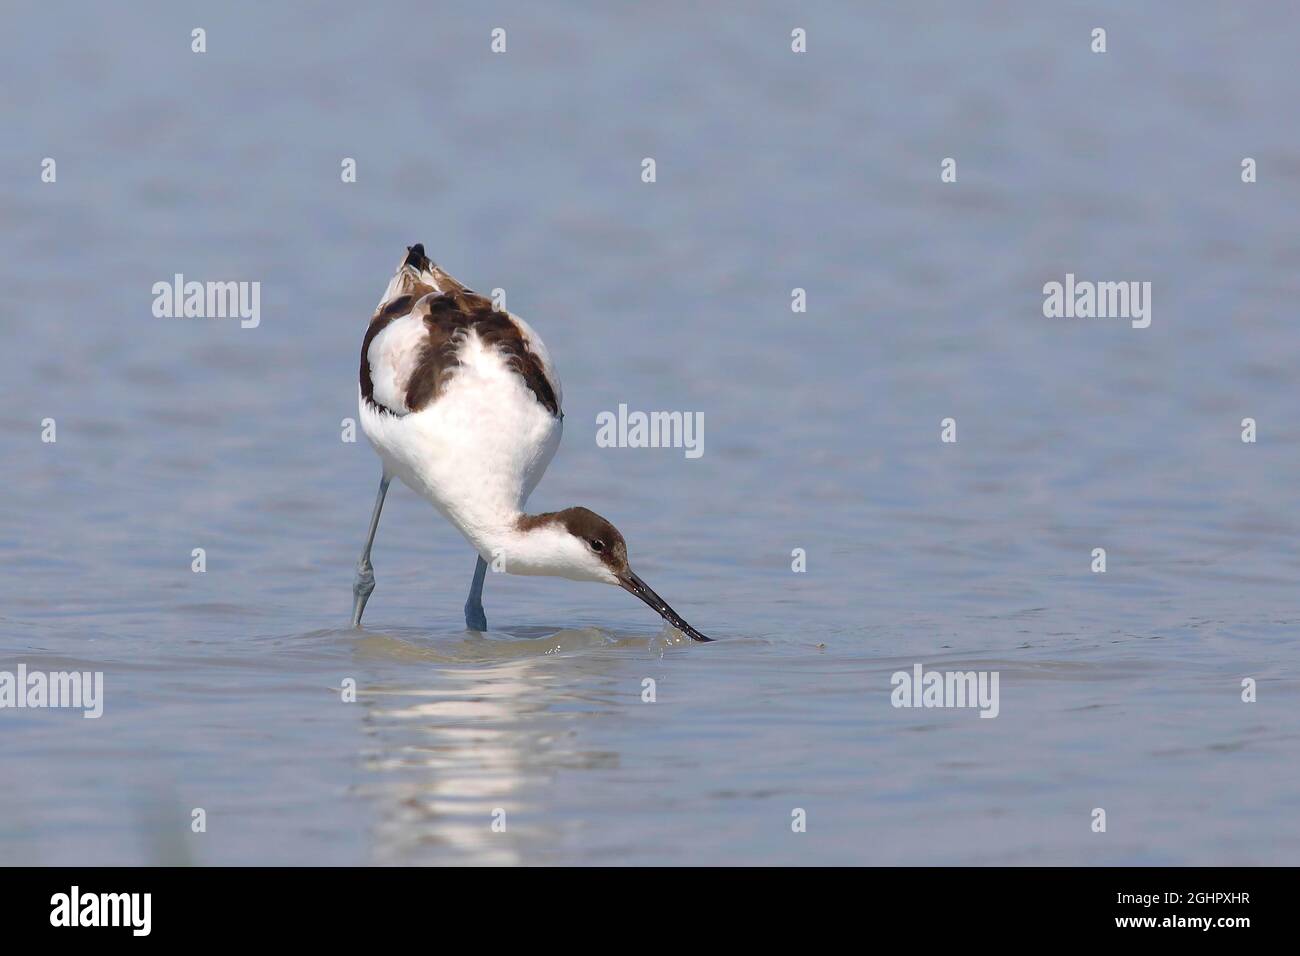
x: 597, y: 545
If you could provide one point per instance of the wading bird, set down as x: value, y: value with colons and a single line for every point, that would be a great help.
x: 462, y: 404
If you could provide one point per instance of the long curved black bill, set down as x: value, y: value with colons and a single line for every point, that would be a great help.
x: 634, y: 585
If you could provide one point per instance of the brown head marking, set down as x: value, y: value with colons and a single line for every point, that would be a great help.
x: 601, y: 536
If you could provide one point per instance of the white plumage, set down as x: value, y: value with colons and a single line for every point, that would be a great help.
x: 477, y: 452
x: 463, y: 405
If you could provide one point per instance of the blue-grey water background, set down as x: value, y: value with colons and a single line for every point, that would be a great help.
x: 774, y: 170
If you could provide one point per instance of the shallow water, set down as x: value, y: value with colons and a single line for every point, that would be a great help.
x: 223, y: 689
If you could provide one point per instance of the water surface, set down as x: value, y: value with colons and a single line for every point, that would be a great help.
x: 774, y: 171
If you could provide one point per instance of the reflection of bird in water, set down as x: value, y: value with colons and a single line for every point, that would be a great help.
x: 461, y: 764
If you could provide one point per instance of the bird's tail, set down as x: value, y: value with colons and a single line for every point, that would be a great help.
x: 417, y: 275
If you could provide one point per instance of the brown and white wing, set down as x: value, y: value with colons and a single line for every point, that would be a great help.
x: 414, y: 343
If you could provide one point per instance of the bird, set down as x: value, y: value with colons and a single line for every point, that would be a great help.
x: 462, y: 403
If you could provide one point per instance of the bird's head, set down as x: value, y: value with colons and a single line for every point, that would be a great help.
x: 583, y: 546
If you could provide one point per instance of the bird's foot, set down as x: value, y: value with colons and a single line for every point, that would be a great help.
x: 475, y: 619
x: 362, y: 586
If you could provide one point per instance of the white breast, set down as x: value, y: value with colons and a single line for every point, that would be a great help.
x: 478, y: 450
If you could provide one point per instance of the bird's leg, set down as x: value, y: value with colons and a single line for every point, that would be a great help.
x: 475, y: 619
x: 364, y: 582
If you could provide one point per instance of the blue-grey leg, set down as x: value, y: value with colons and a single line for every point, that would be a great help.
x: 475, y: 619
x: 364, y: 582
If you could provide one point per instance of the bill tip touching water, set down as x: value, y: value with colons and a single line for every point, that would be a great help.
x: 462, y: 402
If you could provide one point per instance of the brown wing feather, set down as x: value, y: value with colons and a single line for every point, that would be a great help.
x: 448, y: 317
x: 394, y: 308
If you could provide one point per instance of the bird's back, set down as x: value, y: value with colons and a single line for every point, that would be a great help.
x: 459, y: 399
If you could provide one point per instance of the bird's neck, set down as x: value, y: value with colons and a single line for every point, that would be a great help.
x: 501, y: 537
x: 525, y: 545
x: 493, y: 522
